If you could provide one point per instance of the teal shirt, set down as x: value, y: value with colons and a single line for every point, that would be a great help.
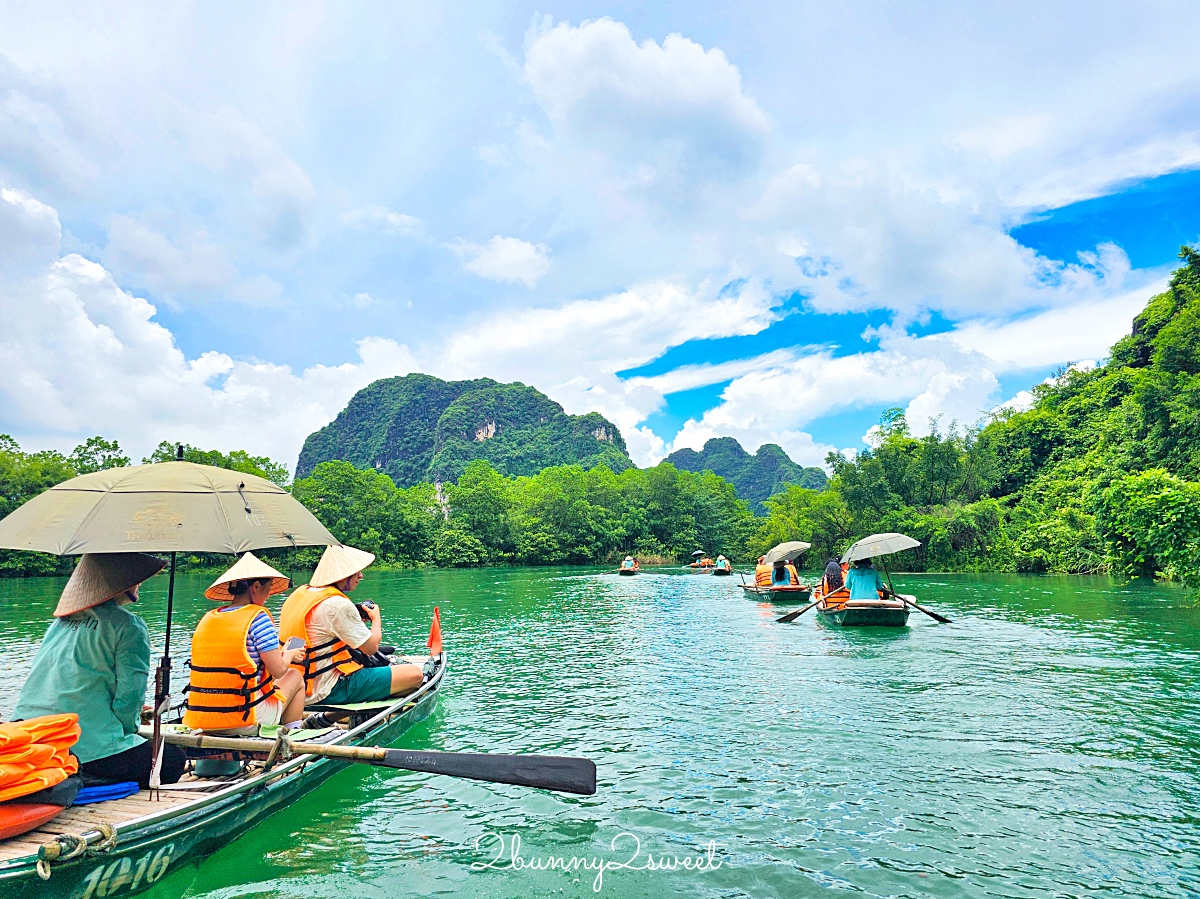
x: 96, y: 664
x: 863, y: 583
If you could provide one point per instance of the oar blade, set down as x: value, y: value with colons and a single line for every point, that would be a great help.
x: 548, y: 772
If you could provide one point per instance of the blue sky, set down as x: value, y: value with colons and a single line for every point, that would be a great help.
x: 770, y: 222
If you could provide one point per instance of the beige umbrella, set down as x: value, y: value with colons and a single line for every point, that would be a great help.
x: 169, y: 507
x: 879, y: 545
x: 785, y: 551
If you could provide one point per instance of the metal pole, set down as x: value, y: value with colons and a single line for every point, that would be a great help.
x: 883, y: 562
x: 162, y: 681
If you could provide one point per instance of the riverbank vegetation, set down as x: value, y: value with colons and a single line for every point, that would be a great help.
x: 1099, y: 472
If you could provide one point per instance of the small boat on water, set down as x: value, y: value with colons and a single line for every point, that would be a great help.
x: 722, y: 568
x: 629, y: 566
x: 781, y: 592
x: 125, y: 846
x: 838, y: 608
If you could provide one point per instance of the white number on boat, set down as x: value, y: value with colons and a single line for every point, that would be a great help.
x: 110, y: 879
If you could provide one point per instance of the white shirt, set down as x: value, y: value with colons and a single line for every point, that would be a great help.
x: 334, y: 617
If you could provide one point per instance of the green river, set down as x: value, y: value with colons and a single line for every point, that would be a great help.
x: 1044, y: 744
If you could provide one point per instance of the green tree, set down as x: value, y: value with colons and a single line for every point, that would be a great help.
x: 236, y: 460
x: 97, y: 454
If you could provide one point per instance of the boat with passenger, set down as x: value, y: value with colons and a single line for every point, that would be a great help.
x: 776, y: 575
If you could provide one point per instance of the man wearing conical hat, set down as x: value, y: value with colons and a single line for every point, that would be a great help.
x: 330, y: 624
x: 241, y: 678
x: 95, y: 661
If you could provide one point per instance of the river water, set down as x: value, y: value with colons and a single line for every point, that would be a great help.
x: 1044, y: 744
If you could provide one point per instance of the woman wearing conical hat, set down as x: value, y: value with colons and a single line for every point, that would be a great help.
x: 240, y: 676
x: 330, y: 624
x: 95, y: 661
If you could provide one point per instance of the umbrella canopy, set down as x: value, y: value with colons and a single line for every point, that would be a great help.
x: 698, y: 552
x: 167, y: 507
x: 785, y: 551
x: 879, y: 545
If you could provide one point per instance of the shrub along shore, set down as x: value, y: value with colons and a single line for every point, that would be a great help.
x: 1099, y: 472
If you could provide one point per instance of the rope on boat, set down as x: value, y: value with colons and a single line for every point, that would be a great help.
x: 68, y: 846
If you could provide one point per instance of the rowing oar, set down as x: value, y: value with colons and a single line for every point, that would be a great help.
x: 792, y: 616
x: 934, y: 615
x: 548, y: 772
x: 909, y: 602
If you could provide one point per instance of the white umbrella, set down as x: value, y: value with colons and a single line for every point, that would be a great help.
x: 785, y: 551
x: 879, y: 545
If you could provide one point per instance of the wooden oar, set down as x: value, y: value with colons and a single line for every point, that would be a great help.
x: 792, y: 616
x: 934, y: 615
x: 547, y: 772
x: 910, y: 600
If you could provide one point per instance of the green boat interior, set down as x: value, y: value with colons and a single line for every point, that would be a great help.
x: 87, y: 822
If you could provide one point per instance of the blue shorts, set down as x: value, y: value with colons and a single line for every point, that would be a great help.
x: 364, y: 685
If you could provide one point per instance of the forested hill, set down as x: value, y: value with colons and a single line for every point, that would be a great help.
x: 421, y: 428
x: 1101, y: 473
x: 755, y: 477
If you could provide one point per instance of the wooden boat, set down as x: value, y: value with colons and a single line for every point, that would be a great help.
x: 125, y: 846
x: 838, y: 608
x: 781, y: 592
x: 628, y: 571
x: 722, y: 572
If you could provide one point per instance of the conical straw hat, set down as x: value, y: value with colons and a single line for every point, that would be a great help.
x: 338, y: 562
x: 246, y: 568
x: 100, y: 576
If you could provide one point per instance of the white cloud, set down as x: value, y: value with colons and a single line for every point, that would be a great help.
x: 397, y: 222
x: 506, y: 259
x: 669, y: 106
x: 226, y: 141
x: 83, y: 356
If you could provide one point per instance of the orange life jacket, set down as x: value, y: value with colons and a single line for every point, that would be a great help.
x: 35, y: 754
x: 762, y: 576
x: 225, y: 684
x: 793, y: 577
x: 294, y: 621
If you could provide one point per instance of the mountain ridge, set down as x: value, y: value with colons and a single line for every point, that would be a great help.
x: 420, y: 428
x: 755, y: 476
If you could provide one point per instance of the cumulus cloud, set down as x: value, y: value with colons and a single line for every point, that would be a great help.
x: 506, y: 259
x: 671, y: 106
x: 381, y: 216
x: 226, y: 141
x: 84, y: 356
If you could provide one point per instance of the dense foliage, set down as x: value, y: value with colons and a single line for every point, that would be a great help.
x: 237, y: 460
x: 421, y: 428
x: 1100, y: 473
x: 562, y: 515
x: 756, y: 477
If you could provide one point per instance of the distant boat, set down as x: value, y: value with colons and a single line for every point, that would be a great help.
x: 781, y: 592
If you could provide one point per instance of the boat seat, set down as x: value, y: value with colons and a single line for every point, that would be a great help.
x: 352, y: 707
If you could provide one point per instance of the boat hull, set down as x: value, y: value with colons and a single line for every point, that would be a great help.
x: 627, y: 572
x: 722, y: 572
x: 148, y: 849
x: 789, y: 593
x: 850, y: 615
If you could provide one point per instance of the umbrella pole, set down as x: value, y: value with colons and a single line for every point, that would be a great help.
x: 883, y: 561
x: 162, y: 682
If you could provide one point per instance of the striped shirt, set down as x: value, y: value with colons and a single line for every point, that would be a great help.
x: 262, y: 636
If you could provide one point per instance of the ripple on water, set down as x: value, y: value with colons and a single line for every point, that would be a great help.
x: 1041, y: 745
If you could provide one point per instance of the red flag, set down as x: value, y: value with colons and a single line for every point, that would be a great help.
x: 435, y: 634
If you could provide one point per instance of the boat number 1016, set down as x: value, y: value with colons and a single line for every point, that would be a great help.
x: 124, y: 873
